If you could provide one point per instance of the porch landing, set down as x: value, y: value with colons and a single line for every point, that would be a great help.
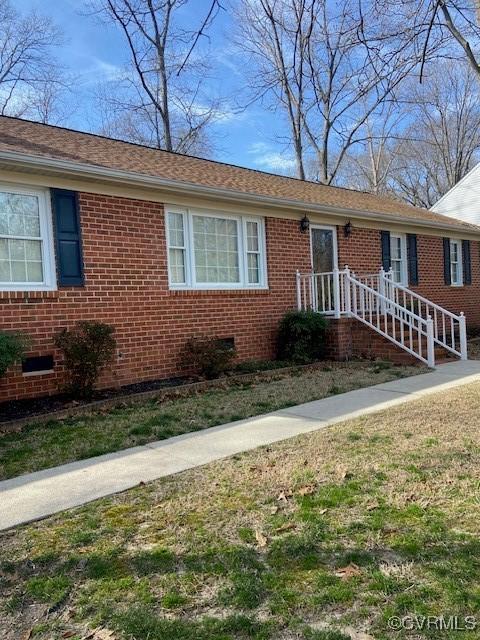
x: 38, y: 495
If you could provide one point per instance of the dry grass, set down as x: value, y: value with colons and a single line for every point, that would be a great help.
x: 42, y: 445
x: 324, y: 536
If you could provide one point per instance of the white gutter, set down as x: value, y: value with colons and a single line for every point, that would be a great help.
x: 84, y: 170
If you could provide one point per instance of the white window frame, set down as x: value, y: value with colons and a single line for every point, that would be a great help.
x: 403, y: 256
x: 46, y: 237
x: 241, y: 219
x: 458, y: 243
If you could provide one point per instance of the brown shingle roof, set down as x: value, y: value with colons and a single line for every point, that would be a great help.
x: 58, y: 143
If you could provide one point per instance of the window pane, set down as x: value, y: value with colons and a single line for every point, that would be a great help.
x: 396, y: 248
x: 252, y: 236
x: 5, y: 271
x: 19, y: 215
x: 33, y: 250
x: 253, y: 268
x: 177, y: 266
x: 455, y: 271
x: 4, y: 249
x: 17, y: 249
x: 397, y: 271
x: 19, y: 271
x: 215, y: 242
x: 34, y: 272
x: 21, y: 260
x: 176, y: 236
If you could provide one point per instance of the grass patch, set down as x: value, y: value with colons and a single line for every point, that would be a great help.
x: 315, y: 538
x: 42, y: 445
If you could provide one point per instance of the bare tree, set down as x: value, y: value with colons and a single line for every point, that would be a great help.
x: 308, y: 57
x: 442, y: 142
x: 29, y: 73
x: 161, y: 99
x: 446, y: 28
x: 420, y: 146
x: 369, y: 166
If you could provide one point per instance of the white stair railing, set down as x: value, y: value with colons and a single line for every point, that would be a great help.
x: 410, y: 321
x: 449, y: 329
x: 406, y: 329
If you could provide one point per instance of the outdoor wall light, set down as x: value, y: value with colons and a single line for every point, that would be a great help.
x: 347, y: 229
x: 304, y: 224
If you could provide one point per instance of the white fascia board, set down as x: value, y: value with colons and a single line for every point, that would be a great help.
x: 92, y: 171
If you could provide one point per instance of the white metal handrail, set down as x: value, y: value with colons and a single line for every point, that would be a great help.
x: 449, y: 329
x: 404, y: 317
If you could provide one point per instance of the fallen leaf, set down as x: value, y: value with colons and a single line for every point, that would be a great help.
x: 345, y: 474
x: 307, y: 490
x: 27, y: 634
x: 260, y: 538
x: 288, y: 526
x: 283, y: 496
x: 275, y: 509
x: 68, y: 634
x: 348, y: 572
x: 322, y: 511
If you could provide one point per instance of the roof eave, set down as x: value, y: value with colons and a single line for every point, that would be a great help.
x: 85, y: 170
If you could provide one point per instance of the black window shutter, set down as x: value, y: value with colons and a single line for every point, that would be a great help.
x: 412, y: 257
x: 68, y: 240
x: 467, y: 263
x: 447, y: 274
x: 386, y: 261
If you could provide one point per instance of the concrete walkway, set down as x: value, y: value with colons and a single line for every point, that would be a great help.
x: 40, y: 494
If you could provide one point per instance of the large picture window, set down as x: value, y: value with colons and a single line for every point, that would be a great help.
x: 26, y: 256
x: 215, y: 250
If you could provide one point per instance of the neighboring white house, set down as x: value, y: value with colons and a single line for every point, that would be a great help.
x: 463, y: 200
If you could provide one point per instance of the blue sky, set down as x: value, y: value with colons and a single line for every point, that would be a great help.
x: 94, y: 51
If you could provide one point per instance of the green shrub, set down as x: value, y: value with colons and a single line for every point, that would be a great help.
x: 301, y: 337
x: 12, y: 349
x: 88, y: 348
x: 209, y: 356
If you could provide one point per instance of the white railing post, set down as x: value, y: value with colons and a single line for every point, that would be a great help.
x: 299, y: 292
x: 336, y: 293
x: 430, y: 343
x: 315, y: 291
x: 381, y: 289
x: 347, y: 292
x: 463, y: 337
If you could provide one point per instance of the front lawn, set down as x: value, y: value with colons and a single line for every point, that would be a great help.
x: 42, y: 445
x: 327, y: 536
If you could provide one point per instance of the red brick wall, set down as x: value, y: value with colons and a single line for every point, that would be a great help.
x: 362, y: 252
x: 126, y: 285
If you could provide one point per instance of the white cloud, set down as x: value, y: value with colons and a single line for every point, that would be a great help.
x: 99, y: 70
x: 268, y: 158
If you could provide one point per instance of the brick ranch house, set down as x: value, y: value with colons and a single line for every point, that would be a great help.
x: 164, y: 247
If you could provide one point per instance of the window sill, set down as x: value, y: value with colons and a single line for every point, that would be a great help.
x: 32, y: 374
x: 219, y: 292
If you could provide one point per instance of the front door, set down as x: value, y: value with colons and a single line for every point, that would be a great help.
x: 324, y: 261
x: 323, y: 249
